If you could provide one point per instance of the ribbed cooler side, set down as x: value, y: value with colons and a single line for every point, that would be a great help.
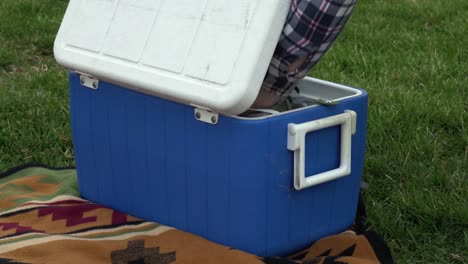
x: 230, y: 183
x: 297, y: 218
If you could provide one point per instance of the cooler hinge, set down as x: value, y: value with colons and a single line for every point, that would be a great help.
x: 89, y: 81
x: 207, y: 116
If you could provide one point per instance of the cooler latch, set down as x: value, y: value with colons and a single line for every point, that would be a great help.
x: 206, y: 116
x: 89, y: 81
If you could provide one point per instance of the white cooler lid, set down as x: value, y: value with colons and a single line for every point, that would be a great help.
x: 207, y: 53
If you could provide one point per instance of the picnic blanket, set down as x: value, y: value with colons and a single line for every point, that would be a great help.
x: 43, y: 220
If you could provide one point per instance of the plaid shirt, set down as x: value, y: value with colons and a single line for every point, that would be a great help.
x: 311, y: 28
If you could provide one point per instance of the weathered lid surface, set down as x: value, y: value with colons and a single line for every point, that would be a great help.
x: 209, y: 53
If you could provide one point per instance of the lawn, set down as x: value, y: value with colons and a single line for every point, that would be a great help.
x: 410, y: 55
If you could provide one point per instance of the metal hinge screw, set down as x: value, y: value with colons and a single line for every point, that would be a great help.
x: 213, y: 119
x: 198, y: 115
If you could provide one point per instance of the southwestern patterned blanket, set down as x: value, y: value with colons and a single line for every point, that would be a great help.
x: 43, y: 220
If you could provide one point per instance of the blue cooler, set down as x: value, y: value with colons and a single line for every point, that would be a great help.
x: 156, y: 89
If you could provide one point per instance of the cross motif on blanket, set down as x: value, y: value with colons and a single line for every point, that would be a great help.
x: 137, y: 253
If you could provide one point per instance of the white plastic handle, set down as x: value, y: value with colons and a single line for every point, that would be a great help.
x: 296, y: 143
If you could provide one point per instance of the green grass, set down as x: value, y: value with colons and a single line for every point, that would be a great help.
x: 410, y: 55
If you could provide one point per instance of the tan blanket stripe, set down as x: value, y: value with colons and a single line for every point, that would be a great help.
x: 38, y: 203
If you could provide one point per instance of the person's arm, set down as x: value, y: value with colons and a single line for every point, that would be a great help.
x: 310, y: 29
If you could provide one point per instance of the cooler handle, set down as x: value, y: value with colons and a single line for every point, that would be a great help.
x: 296, y: 143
